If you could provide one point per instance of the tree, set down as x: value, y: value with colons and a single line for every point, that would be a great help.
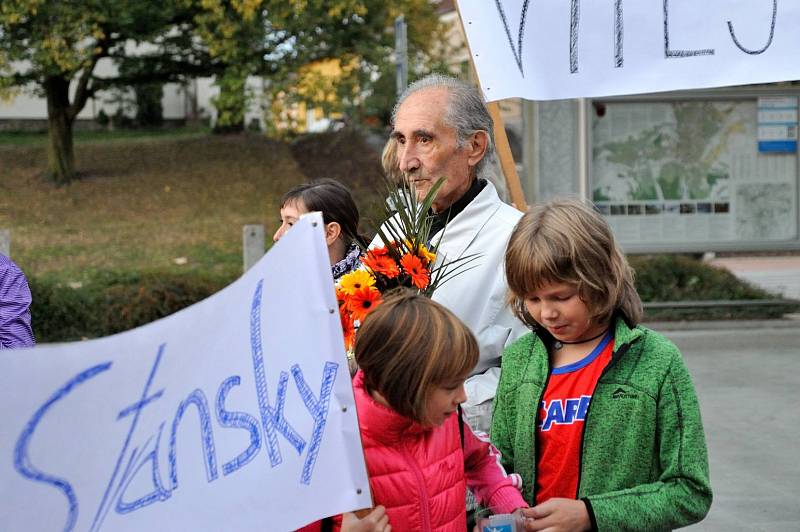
x: 52, y: 48
x: 359, y: 35
x: 237, y: 33
x: 282, y: 41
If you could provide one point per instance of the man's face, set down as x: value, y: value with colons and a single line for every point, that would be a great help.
x: 427, y: 148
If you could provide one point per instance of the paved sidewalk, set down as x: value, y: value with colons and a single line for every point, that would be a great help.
x: 779, y: 275
x: 790, y: 321
x: 748, y: 384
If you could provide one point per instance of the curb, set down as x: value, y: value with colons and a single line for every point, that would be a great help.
x: 791, y: 321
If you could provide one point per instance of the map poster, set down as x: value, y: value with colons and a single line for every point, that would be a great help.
x: 688, y: 171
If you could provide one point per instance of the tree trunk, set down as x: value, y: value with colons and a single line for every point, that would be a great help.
x: 60, y: 153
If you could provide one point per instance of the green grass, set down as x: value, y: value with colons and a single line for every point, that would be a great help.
x: 141, y: 205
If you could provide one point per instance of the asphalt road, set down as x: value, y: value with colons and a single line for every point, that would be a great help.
x: 748, y: 383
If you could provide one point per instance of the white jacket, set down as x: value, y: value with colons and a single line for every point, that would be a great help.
x: 478, y: 296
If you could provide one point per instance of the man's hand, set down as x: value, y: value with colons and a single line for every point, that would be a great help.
x: 558, y: 515
x: 375, y: 521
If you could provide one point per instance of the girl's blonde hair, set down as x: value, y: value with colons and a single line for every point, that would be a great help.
x: 409, y: 345
x: 566, y: 241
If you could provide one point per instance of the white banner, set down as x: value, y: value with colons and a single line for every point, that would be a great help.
x: 553, y: 49
x: 234, y: 414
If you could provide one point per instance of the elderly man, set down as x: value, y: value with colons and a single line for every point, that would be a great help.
x: 15, y: 302
x: 442, y: 128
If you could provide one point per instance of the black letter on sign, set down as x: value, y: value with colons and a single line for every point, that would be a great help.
x: 574, y: 20
x: 771, y: 33
x: 678, y: 53
x: 618, y: 31
x: 518, y: 50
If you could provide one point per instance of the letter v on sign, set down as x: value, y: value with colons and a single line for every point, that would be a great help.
x: 517, y: 51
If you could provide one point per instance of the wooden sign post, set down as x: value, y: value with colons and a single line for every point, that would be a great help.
x: 500, y: 138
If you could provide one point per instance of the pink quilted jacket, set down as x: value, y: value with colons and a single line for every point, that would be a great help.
x: 420, y: 473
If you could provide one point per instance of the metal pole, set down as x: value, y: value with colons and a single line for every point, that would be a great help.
x: 583, y: 148
x: 501, y: 141
x: 401, y: 53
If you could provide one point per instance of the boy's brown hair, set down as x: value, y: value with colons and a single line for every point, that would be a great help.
x: 409, y: 345
x: 566, y: 241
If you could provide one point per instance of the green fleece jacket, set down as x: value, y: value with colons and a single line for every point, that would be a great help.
x: 643, y: 463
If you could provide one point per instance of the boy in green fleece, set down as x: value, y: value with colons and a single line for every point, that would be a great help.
x: 596, y: 413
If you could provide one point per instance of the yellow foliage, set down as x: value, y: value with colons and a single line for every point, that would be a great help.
x: 342, y: 9
x: 7, y: 94
x: 247, y: 8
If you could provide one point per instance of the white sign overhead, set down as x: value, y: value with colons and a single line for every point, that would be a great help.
x: 545, y: 50
x: 234, y: 414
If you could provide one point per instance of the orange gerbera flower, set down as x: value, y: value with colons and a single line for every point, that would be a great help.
x: 379, y: 252
x: 381, y: 264
x: 340, y: 297
x: 413, y: 266
x: 348, y: 330
x: 354, y: 281
x: 362, y: 302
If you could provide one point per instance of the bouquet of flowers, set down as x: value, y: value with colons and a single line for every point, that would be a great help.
x: 405, y: 258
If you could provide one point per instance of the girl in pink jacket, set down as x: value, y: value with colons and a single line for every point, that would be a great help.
x: 414, y: 355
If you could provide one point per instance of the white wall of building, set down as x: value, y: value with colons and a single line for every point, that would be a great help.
x: 178, y: 101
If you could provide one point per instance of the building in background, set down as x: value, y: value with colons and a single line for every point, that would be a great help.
x: 694, y: 171
x: 182, y: 104
x: 689, y: 171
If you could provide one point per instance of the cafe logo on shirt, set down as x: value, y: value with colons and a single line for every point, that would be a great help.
x: 564, y: 411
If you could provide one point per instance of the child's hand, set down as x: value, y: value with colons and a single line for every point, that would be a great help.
x: 375, y: 521
x: 556, y: 515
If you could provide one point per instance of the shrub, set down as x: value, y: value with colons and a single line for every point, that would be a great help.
x: 120, y: 120
x: 682, y: 278
x: 671, y: 278
x: 149, y: 110
x: 112, y: 302
x: 102, y: 118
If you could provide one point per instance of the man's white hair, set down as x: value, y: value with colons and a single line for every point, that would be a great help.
x: 466, y: 113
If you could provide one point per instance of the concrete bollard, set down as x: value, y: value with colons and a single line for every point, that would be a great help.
x: 5, y: 242
x: 252, y: 244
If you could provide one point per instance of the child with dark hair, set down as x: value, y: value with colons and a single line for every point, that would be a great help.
x: 340, y: 214
x: 596, y: 413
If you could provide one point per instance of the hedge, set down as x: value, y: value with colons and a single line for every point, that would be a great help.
x: 670, y: 278
x: 110, y: 302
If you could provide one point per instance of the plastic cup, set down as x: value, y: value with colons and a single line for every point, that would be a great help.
x: 488, y: 522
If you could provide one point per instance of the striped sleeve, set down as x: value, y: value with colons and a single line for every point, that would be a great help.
x: 15, y: 303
